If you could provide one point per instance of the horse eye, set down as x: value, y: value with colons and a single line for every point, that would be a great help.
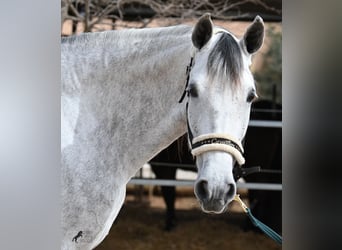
x: 193, y: 91
x: 252, y: 96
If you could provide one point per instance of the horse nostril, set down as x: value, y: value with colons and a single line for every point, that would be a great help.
x: 201, y: 190
x: 230, y: 192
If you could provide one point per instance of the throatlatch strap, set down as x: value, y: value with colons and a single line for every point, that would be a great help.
x: 239, y: 172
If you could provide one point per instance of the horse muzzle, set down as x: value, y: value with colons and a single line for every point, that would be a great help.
x: 214, y: 198
x: 215, y: 186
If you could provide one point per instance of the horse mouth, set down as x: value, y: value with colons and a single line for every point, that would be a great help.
x: 215, y: 206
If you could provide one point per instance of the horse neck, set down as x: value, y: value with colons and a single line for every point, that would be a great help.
x: 136, y: 100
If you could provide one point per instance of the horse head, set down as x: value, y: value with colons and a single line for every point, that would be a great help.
x: 220, y: 90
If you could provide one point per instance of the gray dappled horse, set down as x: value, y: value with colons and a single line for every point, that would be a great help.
x: 120, y: 92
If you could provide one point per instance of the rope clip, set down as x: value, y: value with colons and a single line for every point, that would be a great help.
x: 242, y: 204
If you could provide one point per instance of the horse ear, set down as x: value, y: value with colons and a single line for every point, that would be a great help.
x: 254, y: 36
x: 203, y: 31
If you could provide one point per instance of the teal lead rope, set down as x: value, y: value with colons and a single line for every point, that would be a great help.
x: 276, y: 237
x: 268, y: 231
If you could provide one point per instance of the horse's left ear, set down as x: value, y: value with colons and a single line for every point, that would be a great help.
x: 203, y: 31
x: 254, y: 36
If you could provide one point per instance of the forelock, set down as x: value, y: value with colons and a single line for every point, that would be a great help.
x: 225, y: 59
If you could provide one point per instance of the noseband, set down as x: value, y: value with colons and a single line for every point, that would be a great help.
x: 213, y: 141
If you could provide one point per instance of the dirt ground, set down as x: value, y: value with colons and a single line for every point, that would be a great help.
x: 139, y: 226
